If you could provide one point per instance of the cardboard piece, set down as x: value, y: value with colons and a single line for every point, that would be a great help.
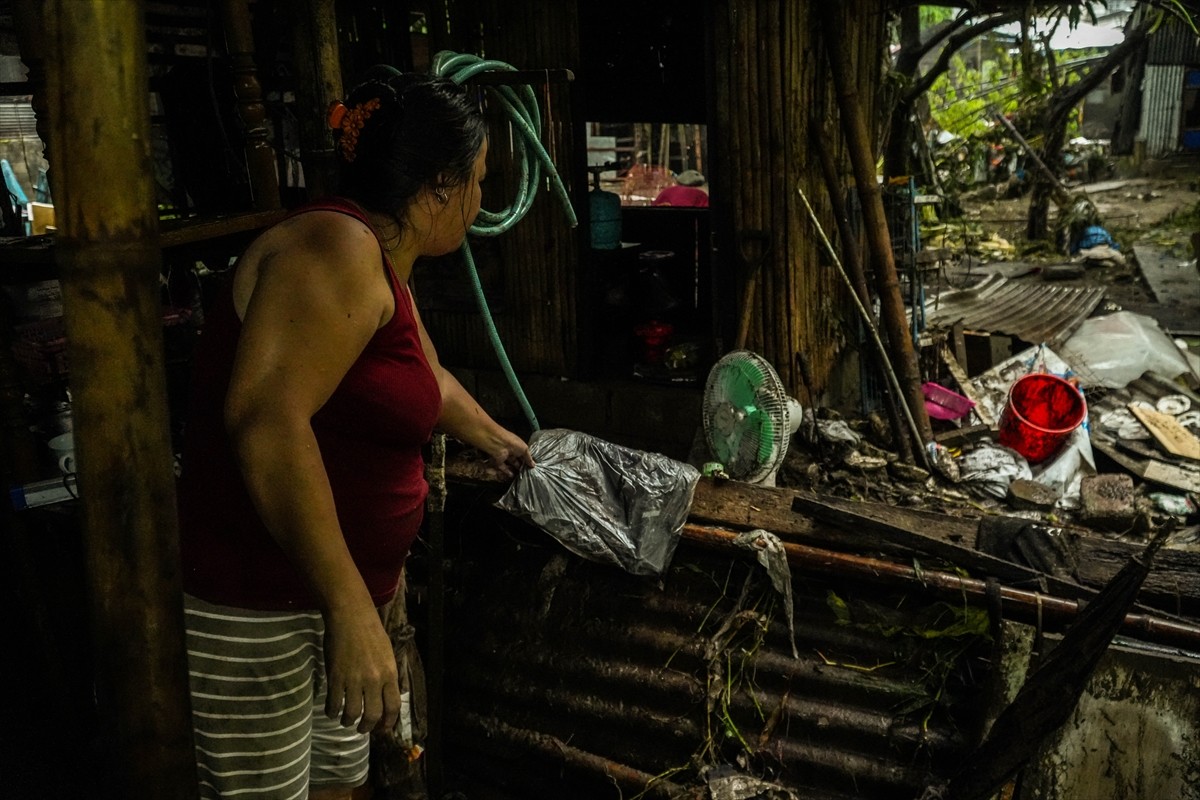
x: 1167, y: 431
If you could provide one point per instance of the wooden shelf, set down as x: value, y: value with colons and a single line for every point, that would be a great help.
x: 31, y: 258
x: 180, y: 232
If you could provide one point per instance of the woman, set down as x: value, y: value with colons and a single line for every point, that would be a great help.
x: 302, y: 487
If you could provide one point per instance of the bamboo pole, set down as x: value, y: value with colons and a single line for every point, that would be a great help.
x: 850, y: 257
x: 858, y: 143
x: 110, y: 263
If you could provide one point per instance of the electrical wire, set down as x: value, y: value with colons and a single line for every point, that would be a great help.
x: 521, y: 109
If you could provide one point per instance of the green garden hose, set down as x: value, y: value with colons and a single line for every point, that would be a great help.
x: 520, y: 105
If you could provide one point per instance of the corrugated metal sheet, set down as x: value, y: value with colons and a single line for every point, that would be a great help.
x: 1162, y: 107
x: 1033, y: 311
x: 571, y: 679
x: 1173, y: 44
x: 17, y: 121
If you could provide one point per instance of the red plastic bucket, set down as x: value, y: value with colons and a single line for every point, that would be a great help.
x: 1041, y: 412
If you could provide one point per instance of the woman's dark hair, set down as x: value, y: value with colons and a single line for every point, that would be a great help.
x: 400, y: 132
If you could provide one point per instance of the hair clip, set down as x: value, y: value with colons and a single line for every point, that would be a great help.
x: 337, y: 112
x: 351, y: 123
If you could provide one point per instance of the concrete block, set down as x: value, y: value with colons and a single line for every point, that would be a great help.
x: 1107, y: 502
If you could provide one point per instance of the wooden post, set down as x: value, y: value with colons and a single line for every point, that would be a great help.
x: 319, y: 82
x: 260, y: 158
x: 109, y: 260
x: 862, y: 157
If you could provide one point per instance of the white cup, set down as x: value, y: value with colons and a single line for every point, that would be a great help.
x: 63, y: 447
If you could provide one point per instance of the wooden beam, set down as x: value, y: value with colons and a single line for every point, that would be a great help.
x: 318, y: 83
x: 110, y: 265
x: 260, y: 158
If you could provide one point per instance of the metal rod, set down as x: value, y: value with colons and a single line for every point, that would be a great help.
x: 1029, y: 606
x: 886, y: 363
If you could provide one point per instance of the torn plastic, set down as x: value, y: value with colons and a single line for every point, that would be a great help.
x: 1064, y: 472
x: 604, y: 502
x: 768, y: 549
x: 1116, y: 349
x: 990, y: 468
x: 827, y: 430
x: 727, y: 783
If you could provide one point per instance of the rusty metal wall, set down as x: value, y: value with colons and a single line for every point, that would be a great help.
x: 1162, y: 101
x: 771, y: 85
x: 565, y: 677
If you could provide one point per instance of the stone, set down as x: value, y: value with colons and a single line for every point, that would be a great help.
x: 907, y: 472
x: 1031, y: 496
x: 1107, y: 501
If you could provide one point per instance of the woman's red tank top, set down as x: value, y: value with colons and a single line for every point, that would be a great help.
x: 370, y: 433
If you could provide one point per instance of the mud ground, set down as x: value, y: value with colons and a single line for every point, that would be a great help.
x: 1156, y: 203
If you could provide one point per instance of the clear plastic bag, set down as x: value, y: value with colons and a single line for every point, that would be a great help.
x: 604, y: 502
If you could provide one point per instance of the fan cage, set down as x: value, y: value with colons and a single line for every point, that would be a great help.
x: 745, y: 416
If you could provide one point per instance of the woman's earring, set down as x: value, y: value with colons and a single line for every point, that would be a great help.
x: 440, y: 194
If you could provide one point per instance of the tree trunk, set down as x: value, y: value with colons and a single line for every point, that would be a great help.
x: 1058, y: 113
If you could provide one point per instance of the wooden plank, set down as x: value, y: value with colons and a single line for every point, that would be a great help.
x: 861, y: 527
x: 964, y: 385
x: 1167, y: 431
x: 174, y: 234
x: 1174, y: 583
x: 1175, y: 477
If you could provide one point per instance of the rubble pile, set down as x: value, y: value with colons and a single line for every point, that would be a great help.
x: 1130, y: 464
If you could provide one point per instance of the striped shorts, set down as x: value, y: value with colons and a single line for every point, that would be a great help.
x: 258, y: 705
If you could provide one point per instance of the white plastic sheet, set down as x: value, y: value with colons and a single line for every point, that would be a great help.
x: 1116, y: 349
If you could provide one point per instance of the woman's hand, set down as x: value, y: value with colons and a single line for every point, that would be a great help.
x: 363, y: 682
x: 508, y: 452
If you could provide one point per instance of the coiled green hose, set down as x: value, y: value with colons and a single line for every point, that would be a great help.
x: 520, y: 105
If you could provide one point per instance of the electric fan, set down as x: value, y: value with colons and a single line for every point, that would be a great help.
x: 748, y: 417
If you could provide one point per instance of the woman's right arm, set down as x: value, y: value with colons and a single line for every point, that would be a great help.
x: 315, y: 303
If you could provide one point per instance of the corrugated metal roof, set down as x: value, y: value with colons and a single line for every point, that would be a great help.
x: 1162, y: 107
x: 1033, y: 311
x: 555, y: 665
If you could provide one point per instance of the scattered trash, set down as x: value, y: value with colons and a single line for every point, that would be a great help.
x: 1107, y: 502
x: 829, y: 430
x: 942, y: 403
x: 768, y: 549
x: 1101, y: 256
x: 1115, y: 349
x: 1174, y: 404
x: 1031, y: 495
x: 1177, y: 504
x: 990, y: 468
x: 725, y: 783
x: 1093, y: 236
x: 990, y: 389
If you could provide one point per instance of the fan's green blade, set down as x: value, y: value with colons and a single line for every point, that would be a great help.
x: 740, y: 381
x: 766, y: 435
